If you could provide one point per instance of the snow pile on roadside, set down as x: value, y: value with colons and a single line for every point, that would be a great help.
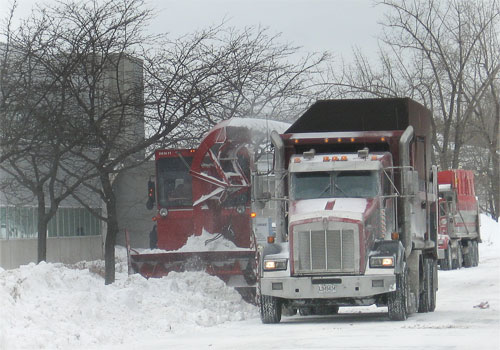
x: 490, y: 230
x: 206, y: 242
x: 58, y: 307
x: 490, y: 236
x: 197, y: 243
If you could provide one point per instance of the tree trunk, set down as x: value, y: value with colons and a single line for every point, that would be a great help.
x: 42, y: 231
x: 495, y: 181
x: 42, y: 239
x: 112, y: 229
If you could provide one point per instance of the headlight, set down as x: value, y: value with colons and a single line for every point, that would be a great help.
x: 382, y: 261
x: 275, y: 264
x: 163, y: 212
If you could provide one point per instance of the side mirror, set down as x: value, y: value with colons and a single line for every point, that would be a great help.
x: 151, y: 194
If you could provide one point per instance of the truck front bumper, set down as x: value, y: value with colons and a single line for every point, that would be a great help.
x: 328, y: 287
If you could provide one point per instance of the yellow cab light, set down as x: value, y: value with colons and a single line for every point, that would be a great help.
x: 326, y: 159
x: 335, y: 158
x: 339, y: 140
x: 353, y: 139
x: 296, y: 160
x: 253, y: 214
x: 382, y: 139
x: 327, y: 140
x: 343, y: 158
x: 374, y: 158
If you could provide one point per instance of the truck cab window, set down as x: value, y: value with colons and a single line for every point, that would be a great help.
x: 174, y: 182
x: 311, y: 185
x: 357, y: 184
x: 337, y: 184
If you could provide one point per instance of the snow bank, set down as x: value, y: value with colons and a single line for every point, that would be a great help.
x: 197, y: 244
x: 59, y: 307
x: 490, y: 236
x: 490, y: 230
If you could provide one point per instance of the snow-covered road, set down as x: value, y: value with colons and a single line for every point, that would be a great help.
x: 52, y: 306
x: 457, y: 323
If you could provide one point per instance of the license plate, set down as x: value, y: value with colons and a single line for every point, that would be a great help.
x: 326, y: 288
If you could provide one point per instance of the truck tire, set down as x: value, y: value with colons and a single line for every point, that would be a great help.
x: 469, y: 255
x: 270, y: 309
x: 434, y: 286
x: 458, y: 261
x: 397, y: 301
x: 445, y: 264
x: 427, y: 302
x: 476, y: 253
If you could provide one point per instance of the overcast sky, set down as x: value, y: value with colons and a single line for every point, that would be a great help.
x: 316, y: 25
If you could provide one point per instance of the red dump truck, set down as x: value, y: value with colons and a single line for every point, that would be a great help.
x: 355, y: 188
x: 459, y: 221
x: 203, y: 195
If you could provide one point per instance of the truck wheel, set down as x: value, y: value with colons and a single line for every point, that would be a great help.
x: 270, y: 309
x: 476, y: 253
x: 457, y: 263
x: 427, y: 301
x: 434, y: 274
x: 469, y: 256
x: 397, y: 301
x: 445, y: 264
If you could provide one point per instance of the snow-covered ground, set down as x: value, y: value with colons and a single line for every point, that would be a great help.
x: 53, y: 306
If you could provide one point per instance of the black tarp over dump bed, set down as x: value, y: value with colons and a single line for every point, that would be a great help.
x: 364, y: 115
x: 376, y: 114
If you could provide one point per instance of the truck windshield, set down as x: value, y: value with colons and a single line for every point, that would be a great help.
x: 336, y: 184
x: 174, y: 182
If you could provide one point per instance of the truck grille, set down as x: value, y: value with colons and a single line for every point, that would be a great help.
x: 326, y: 251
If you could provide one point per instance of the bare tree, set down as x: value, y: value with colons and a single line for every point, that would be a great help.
x: 121, y: 91
x: 441, y: 53
x: 35, y: 142
x: 252, y: 75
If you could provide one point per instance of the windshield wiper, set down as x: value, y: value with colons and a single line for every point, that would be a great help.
x: 325, y: 190
x: 341, y: 190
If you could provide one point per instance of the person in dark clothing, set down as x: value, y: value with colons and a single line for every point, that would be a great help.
x: 153, y: 238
